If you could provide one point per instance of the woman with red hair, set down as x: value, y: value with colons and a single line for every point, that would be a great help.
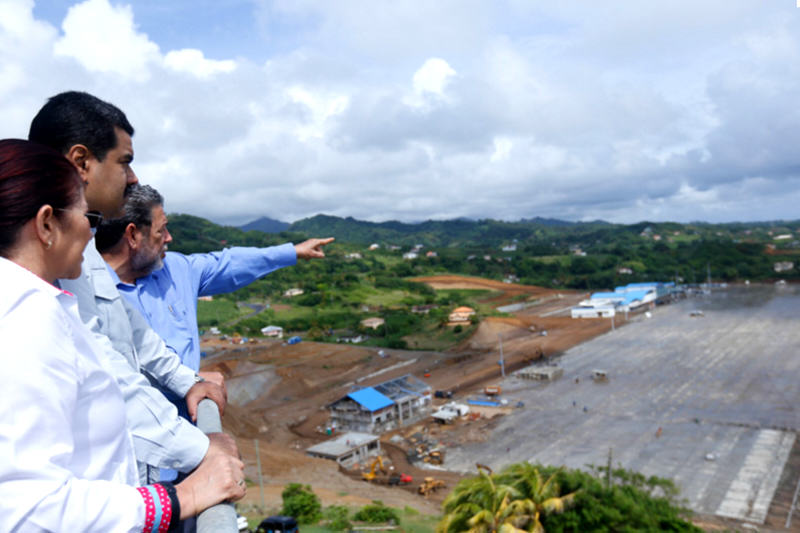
x: 68, y: 462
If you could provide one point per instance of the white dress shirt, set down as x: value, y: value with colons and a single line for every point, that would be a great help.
x: 161, y: 438
x: 66, y: 457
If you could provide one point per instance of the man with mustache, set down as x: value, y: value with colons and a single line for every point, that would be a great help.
x: 164, y: 286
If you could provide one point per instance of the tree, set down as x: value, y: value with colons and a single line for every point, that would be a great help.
x: 480, y: 505
x: 301, y: 503
x: 538, y: 497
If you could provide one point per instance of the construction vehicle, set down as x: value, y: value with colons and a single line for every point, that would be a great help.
x: 435, y: 457
x: 492, y: 390
x: 430, y: 485
x: 371, y: 475
x: 400, y: 479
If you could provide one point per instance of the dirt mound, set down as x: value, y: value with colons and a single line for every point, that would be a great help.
x: 506, y: 292
x: 486, y: 336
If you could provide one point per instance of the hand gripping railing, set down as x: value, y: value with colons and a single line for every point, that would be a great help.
x: 220, y: 518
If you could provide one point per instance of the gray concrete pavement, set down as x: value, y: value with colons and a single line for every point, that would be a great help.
x: 725, y: 384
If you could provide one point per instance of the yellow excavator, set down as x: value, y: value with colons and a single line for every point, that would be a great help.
x: 371, y: 475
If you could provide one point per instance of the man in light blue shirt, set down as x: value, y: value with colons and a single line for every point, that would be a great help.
x: 164, y: 286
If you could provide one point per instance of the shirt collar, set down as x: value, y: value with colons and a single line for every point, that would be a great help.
x: 115, y: 278
x: 18, y: 279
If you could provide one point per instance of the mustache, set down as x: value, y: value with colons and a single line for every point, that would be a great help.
x: 128, y: 189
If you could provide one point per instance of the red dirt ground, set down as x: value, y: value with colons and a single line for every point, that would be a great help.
x: 300, y: 380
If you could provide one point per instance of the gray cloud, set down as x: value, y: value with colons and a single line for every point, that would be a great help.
x: 623, y: 111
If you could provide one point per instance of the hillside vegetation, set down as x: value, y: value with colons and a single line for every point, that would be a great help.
x: 358, y: 281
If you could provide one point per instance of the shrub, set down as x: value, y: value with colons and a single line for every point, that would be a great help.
x: 337, y: 516
x: 301, y: 503
x: 376, y: 513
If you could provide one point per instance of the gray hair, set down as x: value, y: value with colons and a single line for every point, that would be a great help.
x: 139, y: 203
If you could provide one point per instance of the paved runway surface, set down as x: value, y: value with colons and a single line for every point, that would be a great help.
x: 726, y: 384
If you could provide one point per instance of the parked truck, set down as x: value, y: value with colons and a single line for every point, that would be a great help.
x: 447, y: 413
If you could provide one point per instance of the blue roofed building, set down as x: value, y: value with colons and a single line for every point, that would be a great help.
x: 382, y: 407
x: 625, y: 298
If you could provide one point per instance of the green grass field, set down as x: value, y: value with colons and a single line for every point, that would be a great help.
x: 217, y: 312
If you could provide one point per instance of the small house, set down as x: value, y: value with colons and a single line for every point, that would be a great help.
x: 373, y: 322
x: 293, y: 292
x: 272, y: 331
x: 461, y: 315
x: 347, y: 449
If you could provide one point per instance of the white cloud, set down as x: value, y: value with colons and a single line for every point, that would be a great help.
x: 679, y: 111
x: 320, y: 107
x: 193, y: 62
x: 103, y: 39
x: 502, y: 149
x: 432, y: 77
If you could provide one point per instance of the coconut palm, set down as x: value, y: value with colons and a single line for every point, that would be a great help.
x: 538, y: 497
x: 478, y: 505
x: 490, y: 503
x: 510, y: 502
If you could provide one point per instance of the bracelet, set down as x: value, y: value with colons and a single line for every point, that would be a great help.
x: 175, y: 503
x: 162, y: 508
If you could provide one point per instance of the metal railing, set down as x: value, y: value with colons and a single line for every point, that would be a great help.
x: 220, y: 518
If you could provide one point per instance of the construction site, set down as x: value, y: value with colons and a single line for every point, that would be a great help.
x: 704, y: 399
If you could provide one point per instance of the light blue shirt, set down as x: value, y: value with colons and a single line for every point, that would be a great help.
x: 167, y: 297
x: 161, y: 438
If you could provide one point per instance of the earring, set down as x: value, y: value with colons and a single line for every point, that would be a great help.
x: 49, y: 244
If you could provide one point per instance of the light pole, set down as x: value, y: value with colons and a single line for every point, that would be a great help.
x: 502, y: 360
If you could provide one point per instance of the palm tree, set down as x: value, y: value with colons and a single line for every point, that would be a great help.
x: 511, y: 502
x: 478, y: 505
x: 538, y: 497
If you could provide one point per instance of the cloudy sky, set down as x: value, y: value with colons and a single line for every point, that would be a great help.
x: 622, y: 110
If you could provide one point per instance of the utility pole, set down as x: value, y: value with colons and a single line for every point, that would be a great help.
x: 260, y: 478
x: 608, y: 471
x: 502, y: 360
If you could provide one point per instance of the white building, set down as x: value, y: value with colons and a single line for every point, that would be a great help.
x: 272, y: 331
x: 384, y: 407
x: 348, y: 448
x: 293, y: 292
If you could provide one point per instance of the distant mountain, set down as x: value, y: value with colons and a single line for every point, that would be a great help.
x: 266, y: 224
x: 457, y: 232
x: 550, y: 221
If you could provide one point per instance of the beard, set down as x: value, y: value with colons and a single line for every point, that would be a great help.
x: 144, y: 261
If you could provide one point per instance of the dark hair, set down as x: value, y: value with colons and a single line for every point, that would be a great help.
x: 74, y: 117
x: 32, y: 175
x: 139, y: 203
